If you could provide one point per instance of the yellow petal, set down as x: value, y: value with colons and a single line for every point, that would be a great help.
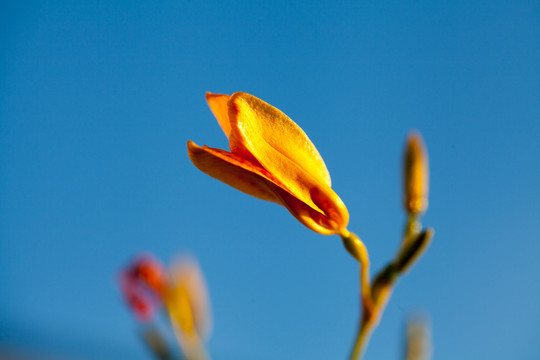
x: 264, y: 130
x: 232, y: 170
x: 218, y: 105
x: 187, y: 300
x: 180, y: 310
x: 282, y: 148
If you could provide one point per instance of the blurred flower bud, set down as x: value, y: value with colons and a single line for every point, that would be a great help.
x: 418, y: 339
x: 180, y: 291
x: 187, y: 302
x: 416, y: 175
x: 151, y: 272
x: 142, y: 283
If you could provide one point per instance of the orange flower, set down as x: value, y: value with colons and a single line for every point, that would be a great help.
x: 272, y: 159
x: 181, y: 291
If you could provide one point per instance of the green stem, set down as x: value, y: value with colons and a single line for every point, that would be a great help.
x: 370, y: 320
x: 362, y: 339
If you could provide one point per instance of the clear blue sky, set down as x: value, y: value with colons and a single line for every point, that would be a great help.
x: 98, y: 99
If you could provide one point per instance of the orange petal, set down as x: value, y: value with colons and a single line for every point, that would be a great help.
x: 283, y: 149
x: 218, y: 105
x: 311, y: 218
x: 254, y: 180
x: 234, y: 171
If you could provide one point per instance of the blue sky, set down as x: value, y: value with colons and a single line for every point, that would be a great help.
x: 98, y: 99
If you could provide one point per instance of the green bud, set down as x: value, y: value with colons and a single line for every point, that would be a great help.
x: 410, y: 253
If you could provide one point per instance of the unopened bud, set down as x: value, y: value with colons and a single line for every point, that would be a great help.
x: 142, y: 283
x: 413, y: 251
x: 418, y: 340
x: 416, y: 175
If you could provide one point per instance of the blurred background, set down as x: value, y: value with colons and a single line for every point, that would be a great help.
x: 98, y: 99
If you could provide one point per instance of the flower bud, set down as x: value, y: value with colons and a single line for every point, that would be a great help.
x: 413, y: 251
x: 142, y: 283
x: 416, y: 175
x: 187, y: 301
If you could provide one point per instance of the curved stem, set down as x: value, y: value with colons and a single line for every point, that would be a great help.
x: 375, y: 296
x: 358, y: 250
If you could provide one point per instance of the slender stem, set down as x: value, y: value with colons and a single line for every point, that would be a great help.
x: 369, y: 322
x: 358, y: 250
x: 411, y: 229
x: 155, y: 341
x: 362, y: 339
x: 375, y: 296
x: 365, y: 283
x: 192, y: 346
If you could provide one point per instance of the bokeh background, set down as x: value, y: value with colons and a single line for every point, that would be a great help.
x: 98, y: 99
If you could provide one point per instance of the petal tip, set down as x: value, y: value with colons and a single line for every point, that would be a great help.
x: 193, y: 149
x: 219, y: 105
x: 209, y: 94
